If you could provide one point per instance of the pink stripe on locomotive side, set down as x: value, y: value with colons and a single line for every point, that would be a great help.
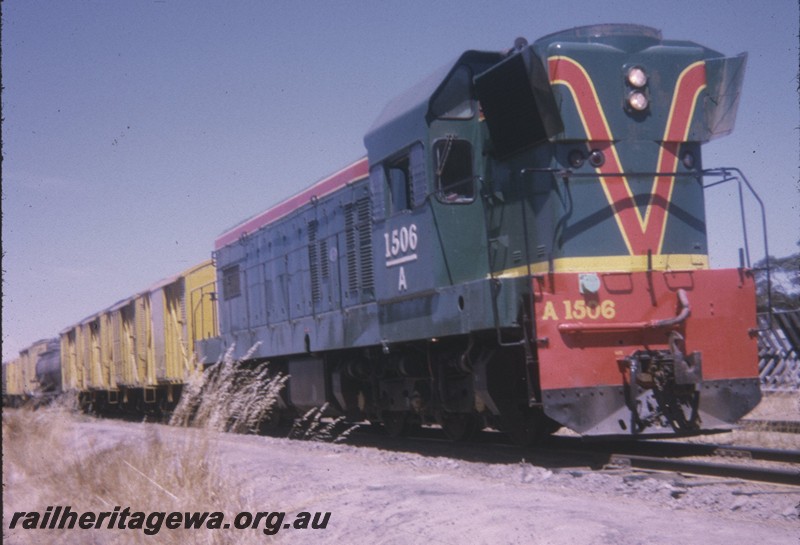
x: 352, y: 173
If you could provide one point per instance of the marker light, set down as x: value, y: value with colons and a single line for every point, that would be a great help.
x: 596, y: 158
x: 637, y: 101
x: 636, y: 77
x: 576, y: 158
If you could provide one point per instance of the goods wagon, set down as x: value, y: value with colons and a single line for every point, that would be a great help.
x: 34, y: 375
x: 138, y: 353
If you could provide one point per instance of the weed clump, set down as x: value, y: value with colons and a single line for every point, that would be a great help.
x: 231, y: 396
x: 311, y: 427
x: 242, y: 397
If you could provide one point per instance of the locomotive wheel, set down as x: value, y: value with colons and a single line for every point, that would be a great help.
x: 521, y: 432
x: 271, y: 425
x: 459, y: 426
x: 529, y: 427
x: 395, y: 423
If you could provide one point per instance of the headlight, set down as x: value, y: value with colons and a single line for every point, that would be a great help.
x: 637, y: 101
x: 636, y: 77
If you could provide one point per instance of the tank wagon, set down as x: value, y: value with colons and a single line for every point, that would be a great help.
x: 48, y: 369
x: 34, y: 375
x: 524, y: 246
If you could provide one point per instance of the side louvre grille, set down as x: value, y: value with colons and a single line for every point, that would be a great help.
x: 313, y: 261
x: 324, y: 264
x: 350, y: 242
x: 365, y: 244
x: 358, y: 242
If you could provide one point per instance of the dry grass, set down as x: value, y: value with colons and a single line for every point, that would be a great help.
x: 46, y: 462
x: 236, y: 397
x: 311, y: 427
x: 230, y: 396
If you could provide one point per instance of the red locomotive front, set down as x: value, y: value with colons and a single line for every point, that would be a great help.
x: 634, y: 333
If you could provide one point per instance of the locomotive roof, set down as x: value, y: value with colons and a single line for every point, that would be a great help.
x: 351, y: 173
x: 593, y: 32
x: 628, y: 37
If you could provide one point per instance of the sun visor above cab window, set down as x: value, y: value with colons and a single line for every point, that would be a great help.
x: 724, y: 79
x: 518, y: 103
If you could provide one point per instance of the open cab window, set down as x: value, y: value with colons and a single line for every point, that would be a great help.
x: 398, y: 176
x: 455, y: 182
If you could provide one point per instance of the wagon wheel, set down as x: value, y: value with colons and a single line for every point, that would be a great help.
x: 395, y: 423
x: 459, y: 426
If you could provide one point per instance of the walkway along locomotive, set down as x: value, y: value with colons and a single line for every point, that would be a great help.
x: 524, y: 246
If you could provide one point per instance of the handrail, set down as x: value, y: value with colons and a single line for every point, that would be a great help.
x: 724, y: 172
x: 685, y: 312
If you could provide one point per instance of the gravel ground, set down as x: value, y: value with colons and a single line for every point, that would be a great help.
x: 379, y: 496
x: 385, y: 497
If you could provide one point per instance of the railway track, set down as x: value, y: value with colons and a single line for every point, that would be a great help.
x: 740, y: 462
x: 679, y: 449
x: 777, y: 466
x: 562, y: 453
x: 782, y: 476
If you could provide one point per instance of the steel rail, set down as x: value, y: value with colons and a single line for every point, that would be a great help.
x: 790, y: 477
x: 599, y: 455
x: 676, y: 449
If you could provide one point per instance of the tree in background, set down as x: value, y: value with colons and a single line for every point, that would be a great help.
x: 785, y: 282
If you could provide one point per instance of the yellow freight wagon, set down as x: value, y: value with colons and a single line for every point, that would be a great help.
x: 97, y: 352
x: 71, y: 371
x: 123, y: 345
x: 13, y: 388
x: 201, y: 290
x: 143, y: 340
x: 182, y: 312
x: 106, y: 352
x: 88, y: 352
x: 141, y: 350
x: 28, y: 358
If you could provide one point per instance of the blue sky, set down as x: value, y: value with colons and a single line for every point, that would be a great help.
x: 135, y: 132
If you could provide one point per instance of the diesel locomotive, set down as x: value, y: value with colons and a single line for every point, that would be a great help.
x: 523, y: 246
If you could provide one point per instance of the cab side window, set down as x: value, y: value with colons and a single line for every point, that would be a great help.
x: 398, y: 176
x: 453, y: 165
